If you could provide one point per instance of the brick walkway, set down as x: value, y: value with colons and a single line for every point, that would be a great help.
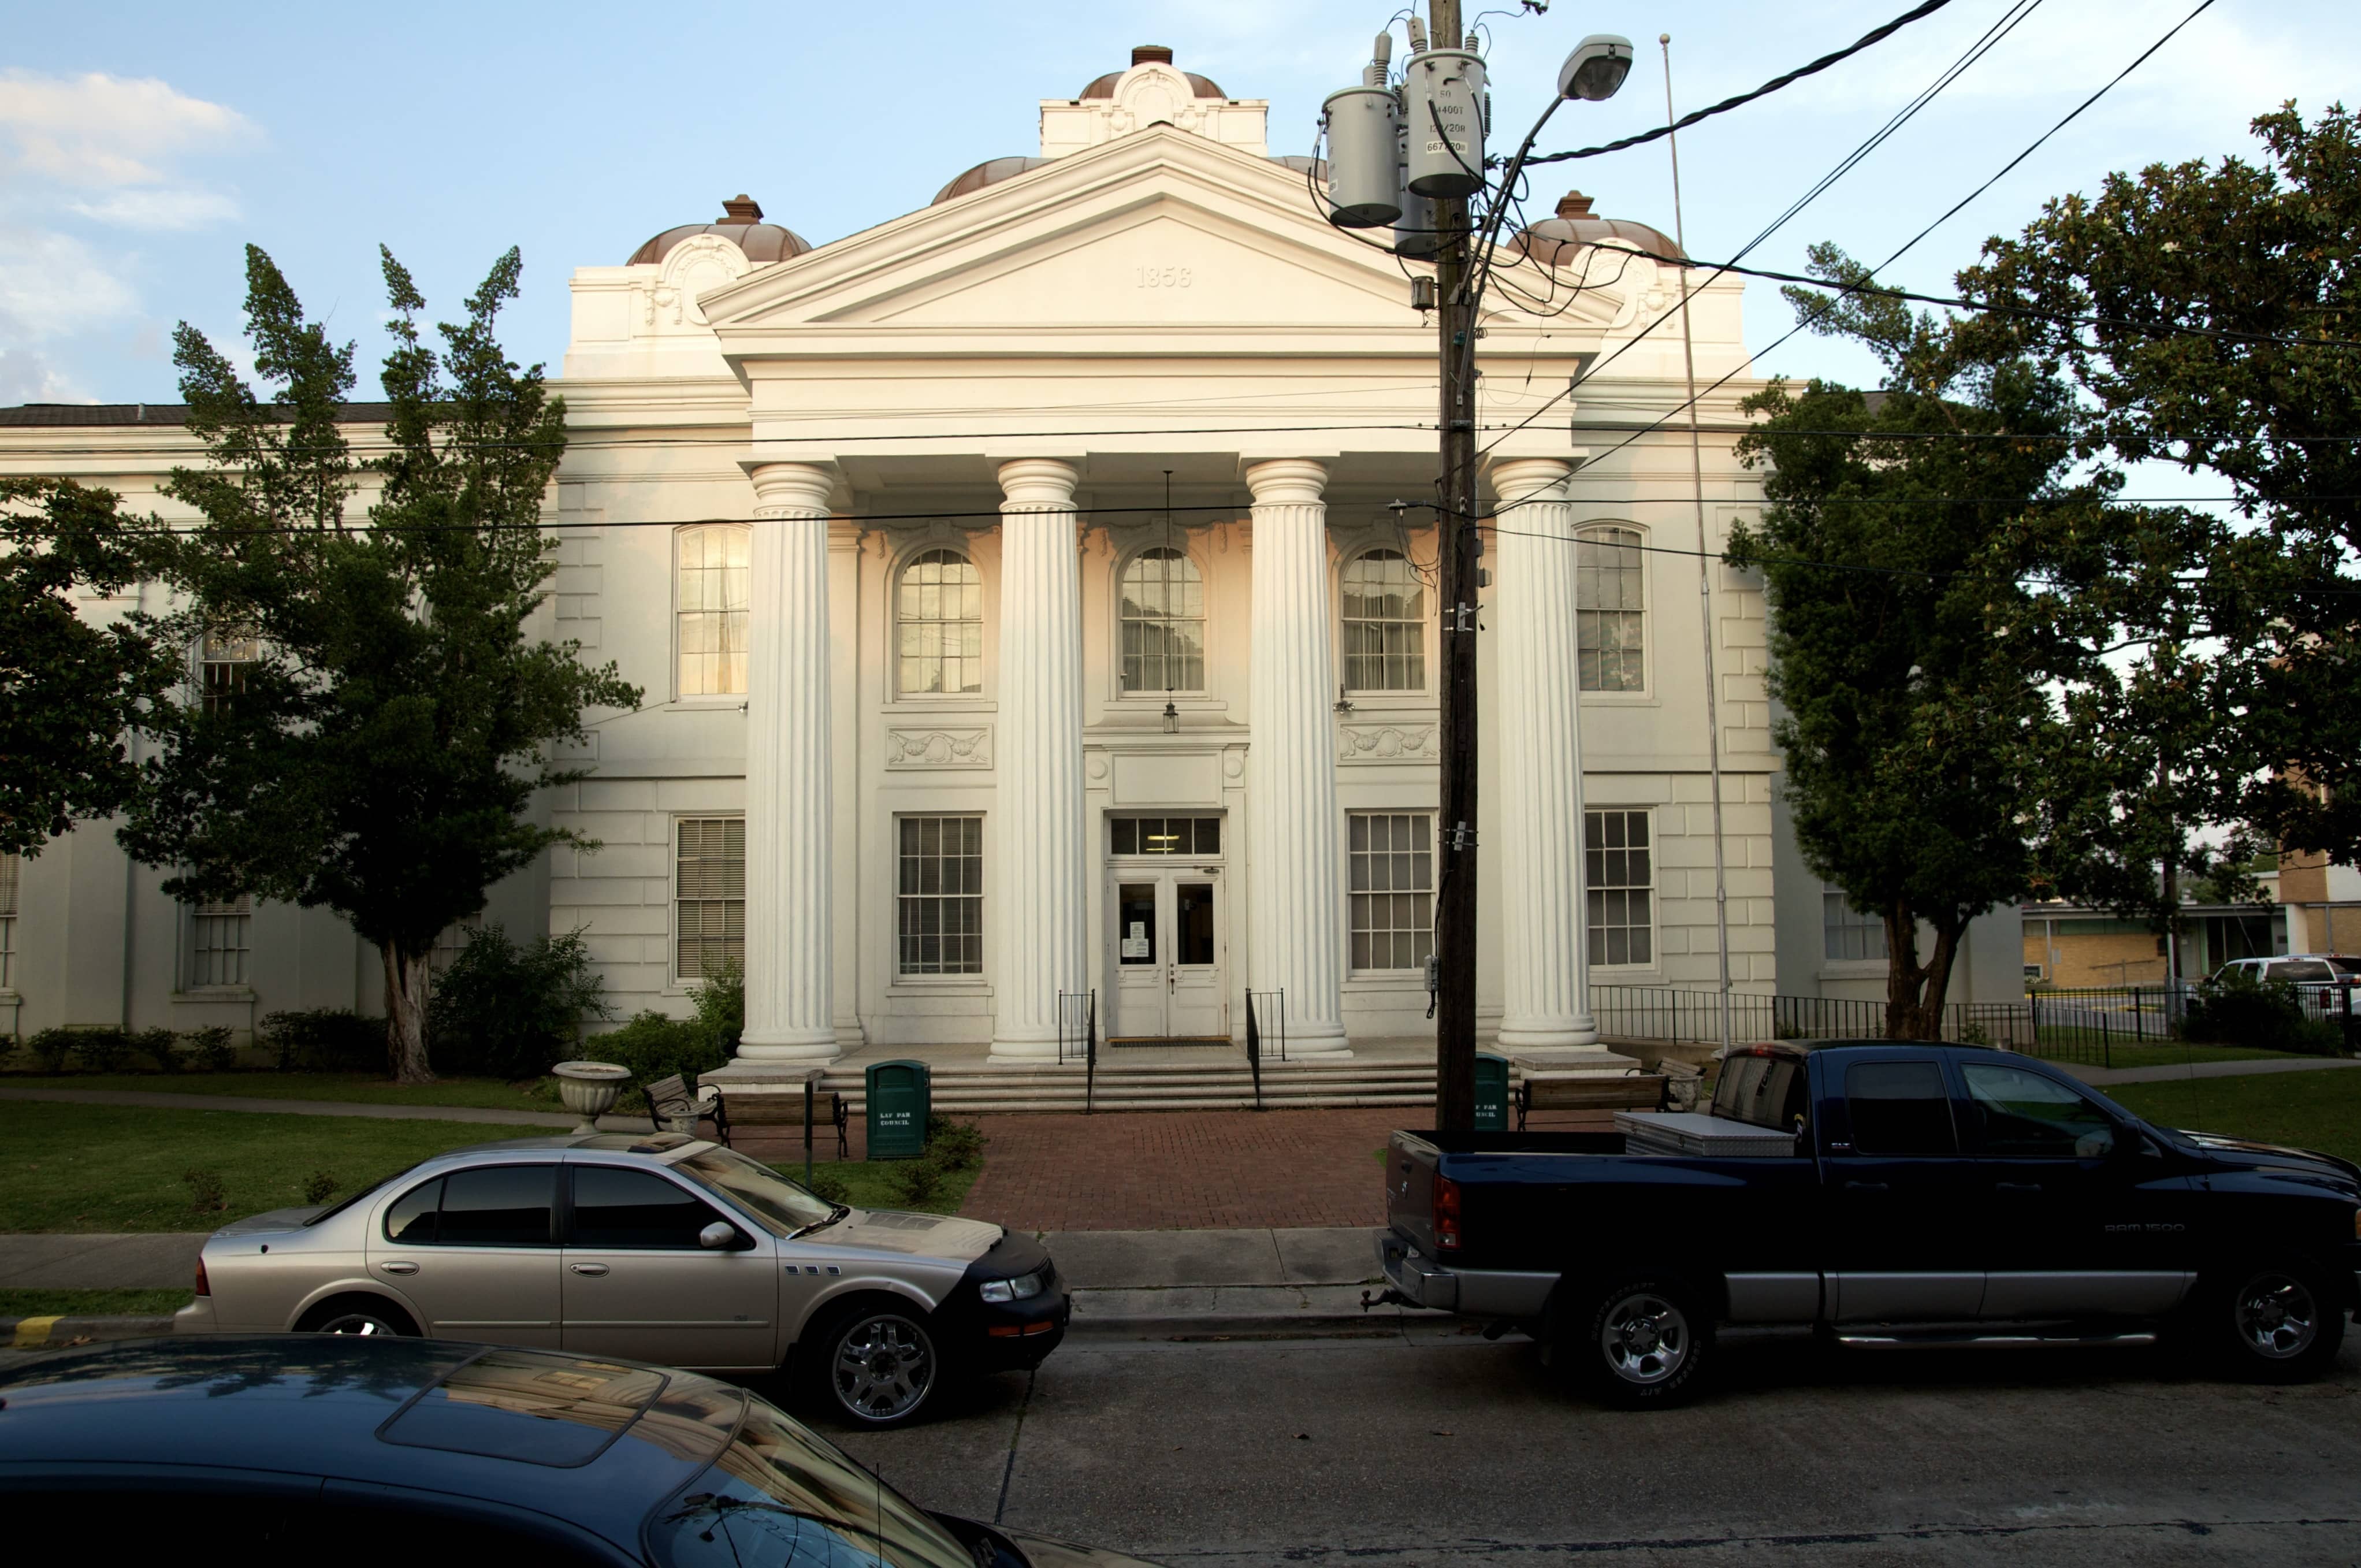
x: 1185, y: 1169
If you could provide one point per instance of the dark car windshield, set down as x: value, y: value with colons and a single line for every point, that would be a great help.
x: 782, y: 1207
x: 779, y: 1493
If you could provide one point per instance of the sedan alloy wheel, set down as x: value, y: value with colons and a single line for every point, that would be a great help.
x: 881, y: 1367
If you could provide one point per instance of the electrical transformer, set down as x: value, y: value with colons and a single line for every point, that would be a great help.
x: 1442, y: 107
x: 1364, y: 181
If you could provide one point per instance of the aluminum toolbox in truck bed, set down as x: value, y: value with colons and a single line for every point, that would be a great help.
x: 1694, y: 1133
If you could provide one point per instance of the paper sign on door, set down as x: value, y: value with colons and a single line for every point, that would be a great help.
x: 1135, y: 944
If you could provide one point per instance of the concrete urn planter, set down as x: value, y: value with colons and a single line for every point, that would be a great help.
x: 590, y: 1088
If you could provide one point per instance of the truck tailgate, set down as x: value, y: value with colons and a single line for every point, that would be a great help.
x: 1409, y: 1188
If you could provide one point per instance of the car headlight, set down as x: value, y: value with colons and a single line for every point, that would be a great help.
x: 1021, y: 1287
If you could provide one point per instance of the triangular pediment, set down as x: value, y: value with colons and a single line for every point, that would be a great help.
x: 1161, y: 230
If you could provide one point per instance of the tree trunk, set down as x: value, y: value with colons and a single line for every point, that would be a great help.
x: 406, y: 979
x: 1903, y: 975
x: 1927, y: 1025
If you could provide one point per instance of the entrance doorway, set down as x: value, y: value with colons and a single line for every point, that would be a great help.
x: 1168, y: 936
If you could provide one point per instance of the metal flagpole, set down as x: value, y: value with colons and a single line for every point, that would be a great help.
x: 1705, y: 568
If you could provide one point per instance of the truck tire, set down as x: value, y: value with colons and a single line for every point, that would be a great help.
x: 1640, y: 1342
x: 2269, y: 1322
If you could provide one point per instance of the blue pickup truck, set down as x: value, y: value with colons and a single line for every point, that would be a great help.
x: 1883, y: 1195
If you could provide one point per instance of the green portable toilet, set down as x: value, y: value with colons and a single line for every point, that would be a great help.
x: 901, y: 1094
x: 1491, y: 1093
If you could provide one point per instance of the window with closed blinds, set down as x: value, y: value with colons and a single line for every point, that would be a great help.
x: 708, y: 895
x: 1846, y: 933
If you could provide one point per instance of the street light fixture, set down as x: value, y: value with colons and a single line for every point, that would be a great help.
x: 1595, y: 67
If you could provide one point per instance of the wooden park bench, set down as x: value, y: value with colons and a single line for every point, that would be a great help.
x: 669, y: 1097
x: 785, y: 1112
x: 1592, y: 1099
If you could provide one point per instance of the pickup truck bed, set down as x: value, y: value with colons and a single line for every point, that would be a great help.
x: 1907, y: 1194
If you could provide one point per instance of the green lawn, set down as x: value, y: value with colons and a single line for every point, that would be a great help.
x: 870, y: 1184
x: 2308, y: 1110
x: 2165, y: 1054
x: 108, y: 1167
x: 363, y: 1088
x: 29, y: 1303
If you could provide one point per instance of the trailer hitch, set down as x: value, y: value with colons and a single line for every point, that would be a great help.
x: 1388, y: 1297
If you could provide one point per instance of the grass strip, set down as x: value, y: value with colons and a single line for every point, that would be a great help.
x: 870, y: 1184
x: 108, y: 1167
x: 2318, y: 1109
x: 25, y: 1302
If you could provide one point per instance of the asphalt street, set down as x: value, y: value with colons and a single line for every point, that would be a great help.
x: 1433, y: 1449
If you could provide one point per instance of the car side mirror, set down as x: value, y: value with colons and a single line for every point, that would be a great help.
x: 717, y: 1237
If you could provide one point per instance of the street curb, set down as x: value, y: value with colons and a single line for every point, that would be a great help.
x: 1376, y: 1324
x: 54, y: 1332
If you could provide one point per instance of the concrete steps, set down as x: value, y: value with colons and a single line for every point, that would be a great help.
x: 1225, y: 1085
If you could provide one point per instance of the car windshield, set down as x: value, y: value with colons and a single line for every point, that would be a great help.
x: 783, y: 1207
x: 779, y: 1493
x: 2349, y: 968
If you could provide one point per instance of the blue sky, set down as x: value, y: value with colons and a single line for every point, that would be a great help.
x: 142, y: 145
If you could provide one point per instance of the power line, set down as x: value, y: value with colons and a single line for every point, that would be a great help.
x: 1875, y: 35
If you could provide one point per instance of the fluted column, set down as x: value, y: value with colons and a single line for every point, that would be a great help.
x: 790, y: 829
x: 1295, y: 891
x: 1034, y: 884
x: 1545, y: 948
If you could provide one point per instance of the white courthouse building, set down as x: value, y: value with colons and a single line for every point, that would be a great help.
x: 1024, y: 608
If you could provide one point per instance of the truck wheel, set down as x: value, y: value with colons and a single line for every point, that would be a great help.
x: 2273, y: 1323
x: 1642, y: 1343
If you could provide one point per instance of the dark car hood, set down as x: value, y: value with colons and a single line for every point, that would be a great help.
x: 2247, y: 1154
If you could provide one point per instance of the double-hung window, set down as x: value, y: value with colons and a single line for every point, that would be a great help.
x: 715, y: 584
x: 1846, y: 934
x: 1610, y: 614
x: 708, y: 895
x: 220, y: 935
x: 1385, y: 624
x: 1162, y: 606
x: 11, y: 875
x: 1619, y: 870
x: 938, y: 626
x: 938, y: 893
x: 1392, y: 871
x: 222, y: 660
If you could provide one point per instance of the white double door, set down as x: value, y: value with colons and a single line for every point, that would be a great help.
x: 1168, y: 935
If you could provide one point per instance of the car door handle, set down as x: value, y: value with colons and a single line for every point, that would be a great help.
x: 1864, y: 1187
x: 398, y: 1267
x: 2016, y: 1187
x: 588, y: 1267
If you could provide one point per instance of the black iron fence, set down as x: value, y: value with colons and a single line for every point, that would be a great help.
x: 1078, y: 1037
x: 2096, y: 1026
x: 1259, y: 1006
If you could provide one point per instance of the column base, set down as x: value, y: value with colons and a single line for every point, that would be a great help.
x: 809, y: 1047
x: 1021, y: 1053
x: 1581, y: 1058
x: 1326, y: 1041
x: 1546, y: 1033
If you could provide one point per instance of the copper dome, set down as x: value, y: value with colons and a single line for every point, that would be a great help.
x: 1558, y: 241
x: 1152, y: 54
x: 741, y: 225
x: 991, y: 171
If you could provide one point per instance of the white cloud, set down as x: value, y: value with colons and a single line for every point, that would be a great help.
x: 52, y: 285
x: 109, y: 130
x: 27, y: 377
x: 158, y: 209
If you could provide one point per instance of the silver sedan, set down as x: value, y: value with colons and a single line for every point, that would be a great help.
x: 667, y: 1249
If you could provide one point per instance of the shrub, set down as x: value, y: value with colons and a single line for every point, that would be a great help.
x: 2236, y: 1009
x: 210, y: 1050
x: 50, y: 1048
x: 720, y: 1002
x: 159, y: 1046
x: 319, y: 1186
x: 958, y: 1146
x: 513, y: 1012
x: 829, y: 1186
x: 208, y: 1194
x: 916, y: 1181
x: 324, y: 1039
x: 7, y: 1048
x: 653, y: 1045
x: 102, y: 1050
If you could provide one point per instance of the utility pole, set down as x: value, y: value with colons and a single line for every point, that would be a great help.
x: 1459, y: 546
x: 1705, y: 567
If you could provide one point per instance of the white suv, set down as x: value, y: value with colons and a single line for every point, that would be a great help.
x: 2319, y: 979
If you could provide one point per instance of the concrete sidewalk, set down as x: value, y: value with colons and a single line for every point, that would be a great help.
x: 1126, y: 1284
x: 2099, y: 1077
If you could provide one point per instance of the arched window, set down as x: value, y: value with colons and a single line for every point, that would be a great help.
x: 1163, y: 623
x: 715, y: 579
x: 1609, y: 610
x: 939, y: 620
x: 1385, y: 624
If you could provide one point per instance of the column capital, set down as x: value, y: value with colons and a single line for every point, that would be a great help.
x: 783, y: 489
x: 1531, y: 479
x: 1287, y: 481
x: 1038, y: 482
